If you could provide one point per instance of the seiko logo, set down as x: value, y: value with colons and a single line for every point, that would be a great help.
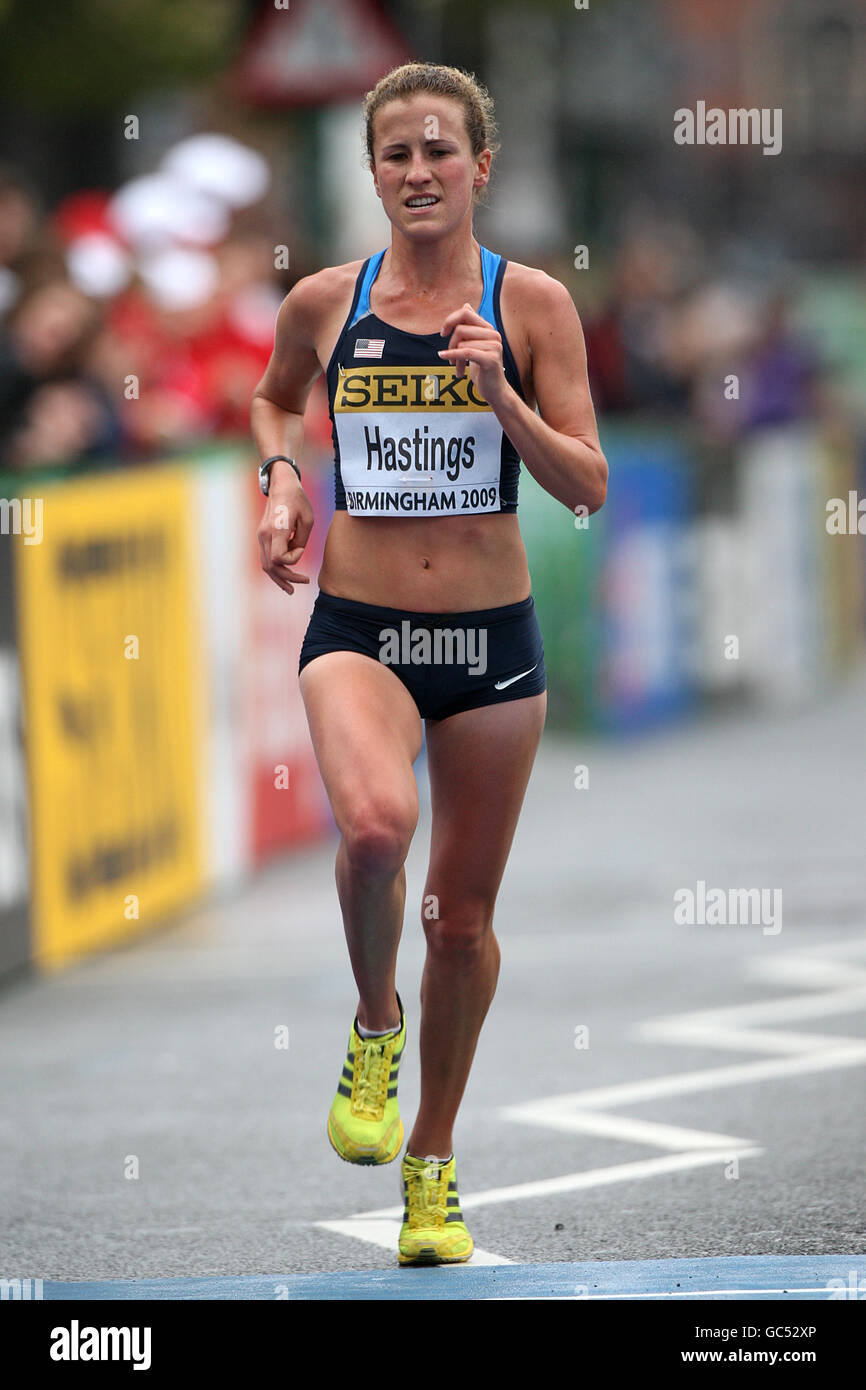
x: 421, y: 388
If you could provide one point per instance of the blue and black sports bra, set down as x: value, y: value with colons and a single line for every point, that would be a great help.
x: 410, y: 439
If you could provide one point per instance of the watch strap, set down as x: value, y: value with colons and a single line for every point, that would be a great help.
x: 265, y: 469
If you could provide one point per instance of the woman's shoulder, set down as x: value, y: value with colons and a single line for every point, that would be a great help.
x: 531, y: 301
x: 527, y: 286
x: 325, y: 290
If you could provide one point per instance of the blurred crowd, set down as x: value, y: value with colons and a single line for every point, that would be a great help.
x: 137, y: 322
x: 677, y: 331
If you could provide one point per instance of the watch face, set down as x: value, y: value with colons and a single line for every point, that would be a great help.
x: 265, y: 471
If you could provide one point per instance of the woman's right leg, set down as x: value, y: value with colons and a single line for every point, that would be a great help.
x: 367, y: 733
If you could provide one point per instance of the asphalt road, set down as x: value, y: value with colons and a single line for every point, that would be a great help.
x: 741, y: 1132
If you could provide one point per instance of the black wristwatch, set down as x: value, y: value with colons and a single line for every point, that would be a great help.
x: 265, y: 470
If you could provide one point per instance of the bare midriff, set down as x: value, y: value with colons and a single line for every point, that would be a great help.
x: 426, y: 564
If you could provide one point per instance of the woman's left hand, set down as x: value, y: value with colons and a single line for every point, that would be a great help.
x: 476, y: 344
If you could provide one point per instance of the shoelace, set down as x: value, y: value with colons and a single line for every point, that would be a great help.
x: 427, y: 1198
x: 368, y: 1092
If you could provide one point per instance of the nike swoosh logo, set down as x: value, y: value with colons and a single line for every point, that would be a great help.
x: 500, y: 685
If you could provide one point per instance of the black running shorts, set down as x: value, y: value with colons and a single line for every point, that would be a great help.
x: 449, y: 662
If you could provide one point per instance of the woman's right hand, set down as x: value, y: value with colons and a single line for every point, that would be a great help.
x: 285, y: 527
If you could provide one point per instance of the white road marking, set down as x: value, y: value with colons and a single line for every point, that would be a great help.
x: 838, y: 987
x: 555, y: 1115
x: 376, y: 1230
x: 565, y: 1111
x: 794, y: 1053
x: 588, y: 1177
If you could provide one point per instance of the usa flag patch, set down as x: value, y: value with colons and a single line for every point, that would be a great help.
x: 369, y: 347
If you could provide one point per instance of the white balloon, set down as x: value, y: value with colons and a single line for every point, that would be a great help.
x: 98, y: 265
x: 179, y: 278
x: 220, y: 166
x: 159, y: 209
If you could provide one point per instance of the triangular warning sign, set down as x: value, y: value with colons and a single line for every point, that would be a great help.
x: 316, y: 51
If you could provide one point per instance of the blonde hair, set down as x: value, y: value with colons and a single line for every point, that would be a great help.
x: 439, y: 81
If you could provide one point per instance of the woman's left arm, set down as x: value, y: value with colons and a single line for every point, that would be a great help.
x: 560, y: 444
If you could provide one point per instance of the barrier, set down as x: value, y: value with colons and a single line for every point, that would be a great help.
x: 803, y: 617
x: 288, y: 803
x: 650, y: 607
x: 262, y: 790
x: 565, y: 568
x: 108, y: 645
x: 644, y: 675
x: 611, y: 590
x: 166, y: 747
x: 14, y: 859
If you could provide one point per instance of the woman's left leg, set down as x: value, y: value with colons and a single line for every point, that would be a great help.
x: 479, y: 763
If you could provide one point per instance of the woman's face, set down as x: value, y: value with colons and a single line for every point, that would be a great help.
x: 422, y: 152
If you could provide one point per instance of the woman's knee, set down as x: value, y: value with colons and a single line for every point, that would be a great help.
x: 462, y: 930
x: 377, y: 834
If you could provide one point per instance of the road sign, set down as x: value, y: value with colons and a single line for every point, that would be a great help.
x: 317, y: 51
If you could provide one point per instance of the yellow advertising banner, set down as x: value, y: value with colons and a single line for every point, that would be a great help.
x: 109, y: 638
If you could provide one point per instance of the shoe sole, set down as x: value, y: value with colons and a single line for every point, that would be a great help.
x: 368, y: 1160
x: 430, y: 1257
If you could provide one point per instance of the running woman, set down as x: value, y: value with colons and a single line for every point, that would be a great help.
x: 446, y: 365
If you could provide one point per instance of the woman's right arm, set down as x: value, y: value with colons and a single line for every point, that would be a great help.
x: 277, y: 425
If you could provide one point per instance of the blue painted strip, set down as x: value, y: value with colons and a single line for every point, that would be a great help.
x: 760, y: 1276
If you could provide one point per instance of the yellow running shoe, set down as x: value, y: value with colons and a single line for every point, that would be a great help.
x: 433, y: 1232
x: 364, y: 1124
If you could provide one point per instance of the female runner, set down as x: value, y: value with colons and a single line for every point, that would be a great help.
x: 424, y: 609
